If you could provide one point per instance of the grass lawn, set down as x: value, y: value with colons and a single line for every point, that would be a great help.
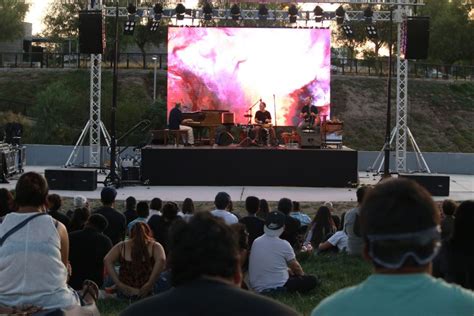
x: 334, y: 271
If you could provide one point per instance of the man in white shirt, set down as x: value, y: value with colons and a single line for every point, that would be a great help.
x: 337, y: 241
x: 273, y: 265
x: 221, y: 202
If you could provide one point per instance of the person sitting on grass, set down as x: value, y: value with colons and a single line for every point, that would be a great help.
x: 400, y: 229
x: 355, y: 243
x: 253, y: 224
x: 273, y: 265
x: 263, y: 209
x: 141, y: 261
x: 54, y: 203
x: 188, y: 209
x: 304, y: 219
x: 34, y: 251
x: 117, y: 223
x: 142, y: 214
x: 222, y: 201
x: 79, y: 219
x: 336, y: 243
x: 6, y: 203
x: 160, y: 225
x: 322, y: 227
x: 205, y: 266
x: 447, y: 224
x: 130, y: 209
x: 155, y: 207
x: 292, y: 225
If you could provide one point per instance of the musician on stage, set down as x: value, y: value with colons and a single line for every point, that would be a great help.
x: 175, y: 122
x: 309, y: 114
x: 263, y: 121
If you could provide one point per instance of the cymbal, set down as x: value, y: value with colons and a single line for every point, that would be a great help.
x: 247, y: 115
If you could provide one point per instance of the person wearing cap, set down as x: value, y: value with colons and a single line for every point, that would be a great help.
x: 206, y: 274
x: 117, y: 222
x: 87, y: 249
x: 401, y: 233
x: 273, y: 265
x: 222, y: 201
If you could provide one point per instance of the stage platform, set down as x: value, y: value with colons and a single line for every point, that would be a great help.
x: 250, y: 166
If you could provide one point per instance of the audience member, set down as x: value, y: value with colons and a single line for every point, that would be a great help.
x: 160, y: 225
x: 79, y: 219
x: 6, y: 202
x: 271, y: 259
x: 455, y: 262
x: 141, y: 261
x: 79, y: 201
x: 292, y: 225
x: 322, y: 227
x: 263, y: 209
x: 447, y: 224
x: 221, y: 202
x: 155, y: 207
x: 117, y: 222
x: 337, y: 242
x: 34, y: 251
x: 243, y: 239
x: 230, y: 209
x: 188, y: 209
x: 399, y: 224
x: 87, y: 249
x: 355, y: 244
x: 54, y: 204
x: 143, y: 211
x: 130, y: 209
x: 253, y: 224
x: 304, y: 219
x: 205, y: 265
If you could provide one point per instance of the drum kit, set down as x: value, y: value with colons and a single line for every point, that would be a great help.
x: 249, y: 131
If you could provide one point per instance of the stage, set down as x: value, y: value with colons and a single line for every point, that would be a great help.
x: 251, y: 166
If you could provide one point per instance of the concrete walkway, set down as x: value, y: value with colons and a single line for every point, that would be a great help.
x: 461, y: 188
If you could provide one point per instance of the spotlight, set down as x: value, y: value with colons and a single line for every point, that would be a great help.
x: 129, y: 27
x: 340, y: 13
x: 158, y: 10
x: 207, y: 10
x: 318, y: 14
x: 153, y: 25
x: 262, y: 12
x: 368, y: 14
x: 235, y: 12
x: 180, y: 11
x: 371, y: 31
x: 293, y: 13
x: 348, y: 31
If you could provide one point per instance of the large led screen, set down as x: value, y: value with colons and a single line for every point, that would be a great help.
x: 233, y: 68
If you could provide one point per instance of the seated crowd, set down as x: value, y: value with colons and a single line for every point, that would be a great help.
x: 155, y: 254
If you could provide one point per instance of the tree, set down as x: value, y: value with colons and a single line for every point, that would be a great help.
x: 144, y: 36
x: 12, y: 14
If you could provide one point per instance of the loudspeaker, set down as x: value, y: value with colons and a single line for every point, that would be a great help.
x: 418, y: 36
x: 71, y: 179
x: 310, y: 140
x: 91, y: 35
x: 435, y: 184
x: 224, y: 139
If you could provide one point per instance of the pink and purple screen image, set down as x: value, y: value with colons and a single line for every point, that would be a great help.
x: 233, y: 68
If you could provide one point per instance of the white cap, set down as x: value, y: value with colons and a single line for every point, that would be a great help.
x: 80, y: 201
x: 328, y: 204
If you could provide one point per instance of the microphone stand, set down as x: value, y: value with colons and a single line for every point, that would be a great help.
x: 276, y: 121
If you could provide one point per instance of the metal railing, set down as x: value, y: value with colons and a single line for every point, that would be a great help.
x: 343, y: 66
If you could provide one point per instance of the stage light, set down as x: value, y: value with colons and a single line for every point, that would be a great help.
x: 207, y: 10
x: 371, y: 31
x: 368, y: 14
x: 293, y: 13
x: 129, y: 27
x: 235, y: 12
x: 262, y: 12
x: 340, y: 13
x: 318, y: 14
x: 348, y: 31
x: 153, y: 25
x: 180, y: 11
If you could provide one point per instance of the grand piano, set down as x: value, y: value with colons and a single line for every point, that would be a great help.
x: 209, y: 119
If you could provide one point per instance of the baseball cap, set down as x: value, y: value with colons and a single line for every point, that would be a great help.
x: 274, y: 224
x: 108, y: 195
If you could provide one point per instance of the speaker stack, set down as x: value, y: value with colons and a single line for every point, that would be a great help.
x: 91, y: 32
x: 417, y: 37
x: 437, y: 185
x: 71, y: 179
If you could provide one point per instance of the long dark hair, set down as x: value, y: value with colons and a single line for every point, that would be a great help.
x: 463, y: 234
x: 79, y: 218
x: 322, y: 225
x: 140, y: 236
x: 6, y: 202
x: 264, y: 209
x: 188, y: 206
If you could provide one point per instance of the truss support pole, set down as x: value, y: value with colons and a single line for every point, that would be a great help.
x: 95, y: 105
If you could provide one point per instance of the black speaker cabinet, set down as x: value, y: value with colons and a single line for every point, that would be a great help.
x: 435, y: 184
x: 418, y: 37
x: 310, y: 139
x: 71, y: 179
x: 91, y: 32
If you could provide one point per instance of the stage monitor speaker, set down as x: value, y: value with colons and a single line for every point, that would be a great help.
x: 310, y: 140
x: 91, y: 35
x: 418, y: 37
x: 435, y: 184
x: 71, y: 179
